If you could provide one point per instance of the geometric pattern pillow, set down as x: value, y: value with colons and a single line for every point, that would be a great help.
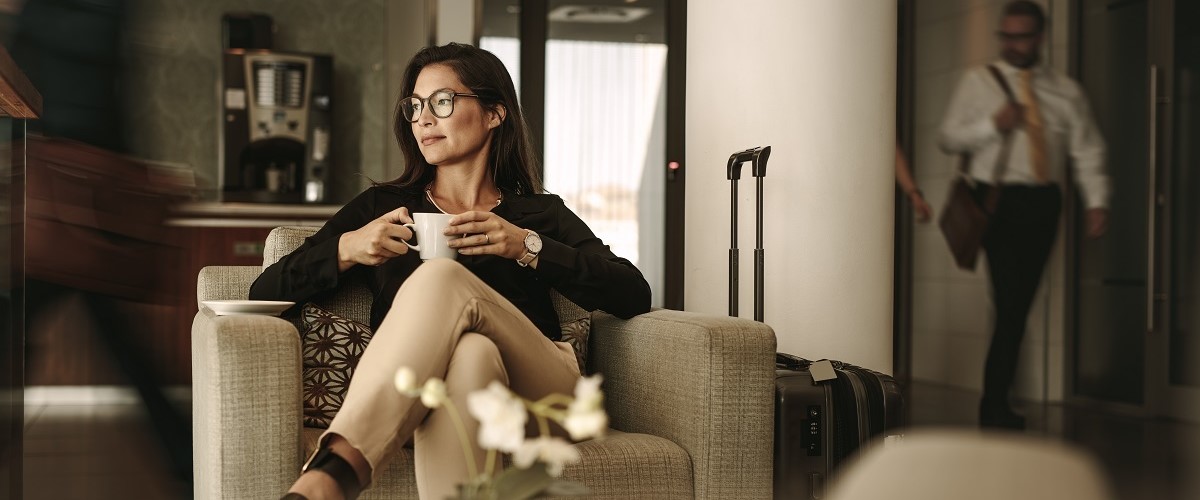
x: 576, y: 333
x: 330, y: 346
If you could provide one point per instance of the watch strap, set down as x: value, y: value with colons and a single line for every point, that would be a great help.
x: 527, y: 258
x: 530, y: 255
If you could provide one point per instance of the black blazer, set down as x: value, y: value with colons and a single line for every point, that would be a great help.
x: 573, y: 261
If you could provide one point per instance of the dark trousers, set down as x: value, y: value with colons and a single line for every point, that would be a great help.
x: 1020, y: 235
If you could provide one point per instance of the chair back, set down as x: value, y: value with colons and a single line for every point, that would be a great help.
x: 351, y: 300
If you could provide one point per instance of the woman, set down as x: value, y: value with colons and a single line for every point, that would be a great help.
x: 488, y: 315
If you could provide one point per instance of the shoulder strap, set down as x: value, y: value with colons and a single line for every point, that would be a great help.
x: 1002, y: 81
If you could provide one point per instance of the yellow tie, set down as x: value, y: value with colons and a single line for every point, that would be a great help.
x: 1034, y: 128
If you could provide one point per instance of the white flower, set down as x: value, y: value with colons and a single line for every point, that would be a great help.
x: 555, y: 452
x: 585, y: 424
x: 406, y: 380
x: 433, y: 393
x: 585, y: 415
x: 501, y: 417
x: 587, y: 393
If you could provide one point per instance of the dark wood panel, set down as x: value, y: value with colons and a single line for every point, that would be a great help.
x: 64, y: 348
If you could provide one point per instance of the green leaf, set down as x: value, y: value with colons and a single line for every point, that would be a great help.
x: 519, y: 484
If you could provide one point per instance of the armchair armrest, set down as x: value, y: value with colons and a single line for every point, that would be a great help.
x: 246, y: 398
x: 704, y: 382
x: 225, y: 283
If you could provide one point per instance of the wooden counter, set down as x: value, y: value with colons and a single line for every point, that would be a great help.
x: 203, y: 234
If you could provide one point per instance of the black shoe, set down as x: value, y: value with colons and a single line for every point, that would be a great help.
x: 1001, y: 417
x: 338, y: 468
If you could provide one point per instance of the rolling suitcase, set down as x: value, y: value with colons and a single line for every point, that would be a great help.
x: 824, y: 410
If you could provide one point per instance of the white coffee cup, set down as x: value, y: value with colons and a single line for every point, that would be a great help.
x: 431, y: 241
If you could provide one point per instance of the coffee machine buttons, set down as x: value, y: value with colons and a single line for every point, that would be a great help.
x: 320, y: 148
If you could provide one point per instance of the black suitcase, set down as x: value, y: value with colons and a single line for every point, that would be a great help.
x: 820, y: 421
x: 824, y: 410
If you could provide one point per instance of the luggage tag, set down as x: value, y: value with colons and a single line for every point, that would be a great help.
x: 821, y: 371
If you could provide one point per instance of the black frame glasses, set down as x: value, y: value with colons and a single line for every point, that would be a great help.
x: 1017, y: 37
x: 414, y: 105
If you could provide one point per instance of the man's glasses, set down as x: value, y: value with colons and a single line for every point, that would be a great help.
x: 440, y: 102
x: 1016, y: 37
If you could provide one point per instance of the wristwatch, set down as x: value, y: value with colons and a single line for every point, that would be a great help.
x: 533, y: 245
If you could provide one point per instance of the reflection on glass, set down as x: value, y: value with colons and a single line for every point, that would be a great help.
x: 1111, y: 328
x: 12, y: 303
x: 500, y: 34
x: 508, y: 49
x: 1185, y: 212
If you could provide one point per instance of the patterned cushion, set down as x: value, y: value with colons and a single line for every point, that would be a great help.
x: 331, y: 347
x: 576, y: 333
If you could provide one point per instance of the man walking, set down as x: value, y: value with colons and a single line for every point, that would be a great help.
x: 1020, y: 148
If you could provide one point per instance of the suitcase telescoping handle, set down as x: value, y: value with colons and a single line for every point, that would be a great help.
x: 758, y: 168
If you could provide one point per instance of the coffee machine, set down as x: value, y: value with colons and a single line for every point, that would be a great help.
x: 276, y: 125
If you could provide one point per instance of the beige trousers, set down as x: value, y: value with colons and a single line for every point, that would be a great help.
x: 447, y: 323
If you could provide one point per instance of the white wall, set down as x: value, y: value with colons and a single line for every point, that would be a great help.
x: 952, y: 313
x: 814, y: 79
x: 406, y: 34
x: 455, y: 21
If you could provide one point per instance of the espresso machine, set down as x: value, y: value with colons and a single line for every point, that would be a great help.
x: 276, y: 125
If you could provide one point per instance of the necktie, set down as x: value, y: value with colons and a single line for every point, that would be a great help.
x: 1034, y: 128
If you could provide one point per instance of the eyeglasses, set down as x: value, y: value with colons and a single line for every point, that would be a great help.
x: 441, y: 103
x: 1016, y: 37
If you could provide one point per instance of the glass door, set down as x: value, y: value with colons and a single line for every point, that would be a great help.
x: 604, y: 116
x: 1110, y: 334
x: 1181, y: 207
x: 1137, y: 301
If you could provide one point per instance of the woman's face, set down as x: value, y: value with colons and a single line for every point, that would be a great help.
x: 463, y: 136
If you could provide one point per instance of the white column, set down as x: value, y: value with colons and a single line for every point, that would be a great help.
x: 815, y: 80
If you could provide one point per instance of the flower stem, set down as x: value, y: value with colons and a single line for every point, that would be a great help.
x: 490, y: 465
x: 543, y: 426
x: 462, y: 437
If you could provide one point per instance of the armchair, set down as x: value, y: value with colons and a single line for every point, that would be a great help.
x: 689, y: 396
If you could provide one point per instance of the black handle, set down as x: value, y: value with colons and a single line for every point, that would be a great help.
x: 733, y: 171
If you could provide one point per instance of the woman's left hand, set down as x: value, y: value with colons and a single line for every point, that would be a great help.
x: 486, y: 233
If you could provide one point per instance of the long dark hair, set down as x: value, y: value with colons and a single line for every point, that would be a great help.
x: 511, y: 154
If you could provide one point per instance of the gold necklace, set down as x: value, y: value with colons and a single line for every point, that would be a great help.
x: 429, y: 194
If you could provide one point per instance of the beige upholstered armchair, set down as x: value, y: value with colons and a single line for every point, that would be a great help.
x: 690, y: 398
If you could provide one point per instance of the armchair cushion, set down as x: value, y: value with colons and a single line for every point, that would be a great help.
x: 331, y: 347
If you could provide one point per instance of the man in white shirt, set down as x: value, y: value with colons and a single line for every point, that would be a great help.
x: 1050, y: 120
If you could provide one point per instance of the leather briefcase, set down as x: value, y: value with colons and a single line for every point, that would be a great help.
x: 964, y: 223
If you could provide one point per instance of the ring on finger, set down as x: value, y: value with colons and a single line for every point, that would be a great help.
x: 487, y: 240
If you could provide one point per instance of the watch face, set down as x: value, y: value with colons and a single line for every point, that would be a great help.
x: 533, y: 242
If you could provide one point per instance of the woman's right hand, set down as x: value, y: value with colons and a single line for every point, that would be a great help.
x: 377, y: 242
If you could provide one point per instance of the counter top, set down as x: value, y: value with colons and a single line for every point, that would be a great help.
x: 213, y: 214
x: 214, y: 209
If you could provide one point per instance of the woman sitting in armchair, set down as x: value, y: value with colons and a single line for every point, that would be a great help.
x: 487, y: 316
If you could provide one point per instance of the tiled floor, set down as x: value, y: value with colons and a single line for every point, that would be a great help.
x: 107, y: 451
x: 1143, y: 458
x: 95, y: 451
